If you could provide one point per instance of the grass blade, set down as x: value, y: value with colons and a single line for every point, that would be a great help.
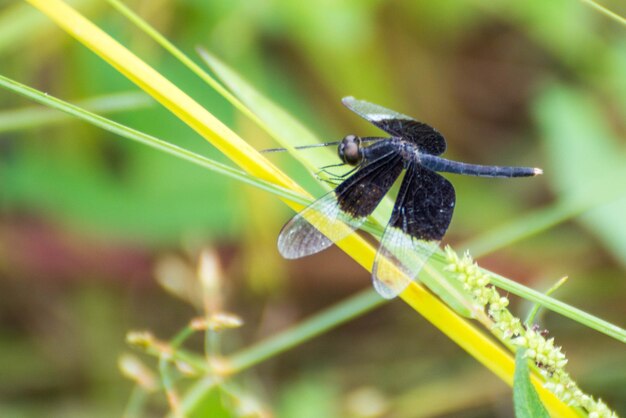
x: 607, y: 12
x: 164, y: 91
x: 151, y: 141
x: 30, y: 117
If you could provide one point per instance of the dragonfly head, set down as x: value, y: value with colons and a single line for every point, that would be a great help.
x: 349, y: 150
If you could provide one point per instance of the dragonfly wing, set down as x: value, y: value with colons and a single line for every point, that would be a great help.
x: 335, y: 215
x: 399, y: 260
x: 419, y: 220
x: 301, y: 236
x: 427, y: 138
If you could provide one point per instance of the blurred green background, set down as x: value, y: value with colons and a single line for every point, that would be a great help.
x: 85, y: 216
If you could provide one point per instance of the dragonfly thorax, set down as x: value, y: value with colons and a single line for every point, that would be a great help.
x: 349, y: 150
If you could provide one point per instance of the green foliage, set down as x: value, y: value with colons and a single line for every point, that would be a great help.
x: 309, y: 396
x: 525, y: 399
x: 214, y: 403
x: 586, y: 159
x: 453, y: 64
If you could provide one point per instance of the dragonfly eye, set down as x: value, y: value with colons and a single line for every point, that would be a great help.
x: 350, y: 150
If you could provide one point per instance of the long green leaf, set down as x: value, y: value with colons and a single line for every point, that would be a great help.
x: 36, y: 116
x: 148, y: 140
x: 525, y: 399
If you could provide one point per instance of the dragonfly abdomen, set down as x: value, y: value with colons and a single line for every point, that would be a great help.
x: 448, y: 166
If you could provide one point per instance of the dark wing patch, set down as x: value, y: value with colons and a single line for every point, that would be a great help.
x: 336, y: 214
x: 361, y: 193
x: 427, y: 138
x: 425, y: 204
x: 419, y: 220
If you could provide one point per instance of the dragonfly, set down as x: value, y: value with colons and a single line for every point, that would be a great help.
x: 423, y: 207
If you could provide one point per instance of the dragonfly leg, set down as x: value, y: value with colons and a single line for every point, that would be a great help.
x: 332, y: 182
x: 326, y: 167
x: 337, y: 176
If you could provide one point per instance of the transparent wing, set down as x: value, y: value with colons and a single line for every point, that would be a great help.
x: 427, y: 138
x: 399, y: 260
x: 336, y: 214
x: 301, y: 236
x: 419, y: 220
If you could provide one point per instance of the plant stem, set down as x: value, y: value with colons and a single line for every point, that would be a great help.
x: 534, y: 311
x: 136, y: 402
x: 181, y: 337
x: 557, y: 306
x: 326, y: 320
x: 168, y: 385
x: 549, y: 216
